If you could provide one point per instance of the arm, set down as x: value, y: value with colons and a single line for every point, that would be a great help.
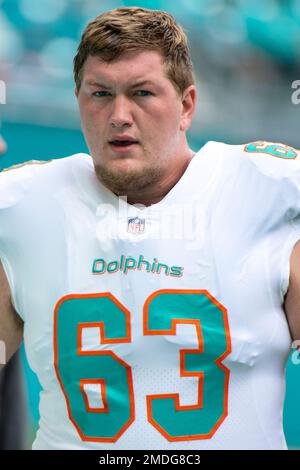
x: 11, y: 325
x: 2, y: 145
x: 292, y: 298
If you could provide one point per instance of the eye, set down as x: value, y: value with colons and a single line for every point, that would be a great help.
x: 99, y: 94
x: 144, y: 92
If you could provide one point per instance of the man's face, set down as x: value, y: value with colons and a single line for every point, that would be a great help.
x: 131, y: 98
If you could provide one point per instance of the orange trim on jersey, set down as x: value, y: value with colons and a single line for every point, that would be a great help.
x: 101, y: 382
x: 93, y: 353
x: 183, y: 372
x: 264, y: 144
x: 30, y: 162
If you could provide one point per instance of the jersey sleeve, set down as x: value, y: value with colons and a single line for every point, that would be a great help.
x: 278, y: 166
x: 15, y: 182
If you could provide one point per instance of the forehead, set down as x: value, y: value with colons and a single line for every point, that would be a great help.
x: 143, y: 65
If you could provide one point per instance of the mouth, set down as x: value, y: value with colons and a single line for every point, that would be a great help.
x: 120, y: 145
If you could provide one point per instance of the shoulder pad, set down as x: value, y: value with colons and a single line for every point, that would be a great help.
x: 15, y: 181
x: 273, y: 159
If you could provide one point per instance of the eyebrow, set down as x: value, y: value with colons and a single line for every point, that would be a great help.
x: 138, y: 83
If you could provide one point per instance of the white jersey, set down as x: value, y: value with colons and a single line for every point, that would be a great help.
x: 158, y: 327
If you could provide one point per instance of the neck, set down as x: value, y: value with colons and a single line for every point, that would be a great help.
x: 153, y: 195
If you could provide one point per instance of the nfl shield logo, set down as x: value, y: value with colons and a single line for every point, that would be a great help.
x: 136, y: 225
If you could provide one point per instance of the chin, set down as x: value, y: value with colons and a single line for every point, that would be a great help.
x: 125, y: 175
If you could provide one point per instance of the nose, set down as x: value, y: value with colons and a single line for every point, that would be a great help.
x: 121, y: 112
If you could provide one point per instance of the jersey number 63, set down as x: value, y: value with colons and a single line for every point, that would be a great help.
x: 78, y: 368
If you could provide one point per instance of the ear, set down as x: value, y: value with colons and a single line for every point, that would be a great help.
x: 188, y: 102
x: 76, y: 92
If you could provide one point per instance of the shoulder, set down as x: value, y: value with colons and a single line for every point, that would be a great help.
x: 17, y: 180
x: 259, y: 178
x: 272, y: 159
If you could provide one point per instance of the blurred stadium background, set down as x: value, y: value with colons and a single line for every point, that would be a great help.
x: 246, y: 55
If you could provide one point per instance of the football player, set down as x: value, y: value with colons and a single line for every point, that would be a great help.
x: 158, y: 286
